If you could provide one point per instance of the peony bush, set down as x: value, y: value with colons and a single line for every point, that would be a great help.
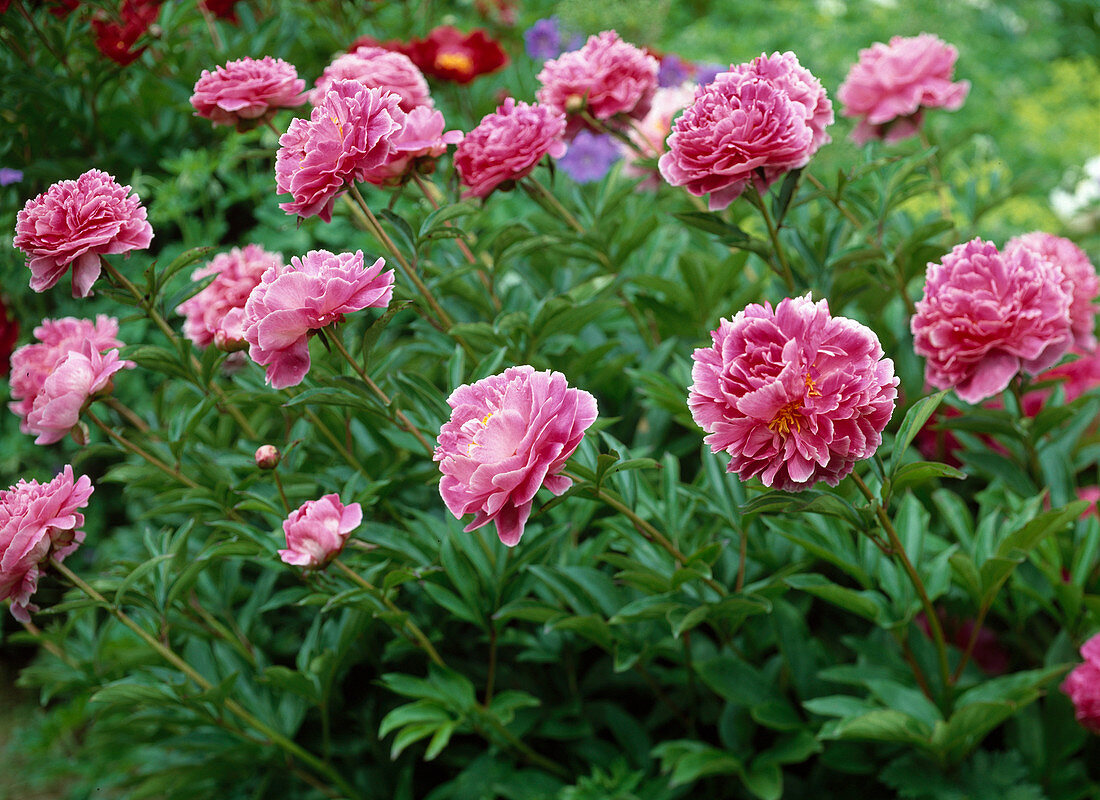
x: 784, y: 419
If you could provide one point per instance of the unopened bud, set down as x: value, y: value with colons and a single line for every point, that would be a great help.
x: 267, y: 456
x: 575, y: 104
x: 79, y: 433
x: 226, y: 343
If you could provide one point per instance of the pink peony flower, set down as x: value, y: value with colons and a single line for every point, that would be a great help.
x: 31, y: 364
x: 75, y: 222
x: 784, y: 71
x: 891, y: 85
x: 1078, y: 375
x: 314, y: 291
x: 38, y: 520
x: 506, y: 146
x: 985, y: 316
x: 247, y: 92
x: 236, y: 274
x: 508, y: 435
x: 606, y: 77
x: 1082, y: 284
x: 419, y: 143
x: 741, y: 126
x: 79, y: 377
x: 794, y: 395
x: 347, y: 135
x: 379, y: 68
x: 316, y: 532
x: 1083, y: 686
x: 649, y: 135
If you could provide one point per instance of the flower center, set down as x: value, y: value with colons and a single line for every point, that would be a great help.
x: 787, y: 418
x: 459, y: 62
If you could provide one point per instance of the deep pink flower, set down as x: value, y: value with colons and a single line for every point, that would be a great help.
x: 649, y: 135
x: 38, y: 521
x: 508, y: 435
x: 506, y: 146
x: 420, y: 142
x: 740, y: 127
x: 75, y: 222
x: 891, y: 85
x: 985, y: 316
x: 347, y: 135
x: 246, y: 92
x: 316, y: 531
x: 1083, y: 686
x: 379, y: 68
x: 794, y: 395
x: 1082, y: 286
x: 31, y: 364
x: 82, y: 375
x: 784, y: 71
x: 236, y: 274
x: 606, y: 77
x: 314, y: 291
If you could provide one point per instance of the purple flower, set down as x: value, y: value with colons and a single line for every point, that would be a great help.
x: 9, y: 175
x: 543, y: 39
x: 706, y: 72
x: 590, y: 156
x: 674, y: 71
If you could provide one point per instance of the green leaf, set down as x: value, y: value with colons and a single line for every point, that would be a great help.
x: 879, y: 725
x: 921, y: 472
x: 868, y: 604
x: 914, y: 420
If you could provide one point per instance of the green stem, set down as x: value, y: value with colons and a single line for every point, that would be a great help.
x: 914, y: 577
x: 545, y: 196
x: 279, y: 486
x: 1023, y: 426
x: 133, y: 448
x: 334, y: 440
x: 784, y: 270
x: 968, y: 651
x: 601, y: 127
x: 276, y: 738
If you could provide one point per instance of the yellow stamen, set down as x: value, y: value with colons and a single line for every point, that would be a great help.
x: 459, y: 62
x: 787, y: 419
x: 811, y: 387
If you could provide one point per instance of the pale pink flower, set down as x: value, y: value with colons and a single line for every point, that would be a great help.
x: 76, y: 222
x: 378, y: 68
x: 508, y: 435
x: 1083, y: 686
x: 891, y: 85
x: 78, y: 378
x: 506, y: 146
x: 37, y: 521
x: 31, y: 364
x: 986, y: 316
x: 348, y: 135
x: 420, y: 141
x: 606, y: 77
x: 740, y: 127
x: 246, y: 92
x: 316, y: 531
x: 793, y: 395
x: 315, y: 290
x: 236, y: 274
x: 1082, y: 284
x: 649, y: 135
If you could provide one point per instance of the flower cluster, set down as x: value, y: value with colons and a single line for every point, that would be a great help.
x: 508, y: 435
x: 247, y: 92
x: 792, y: 394
x: 38, y: 522
x: 891, y: 85
x: 314, y: 291
x: 76, y: 222
x: 753, y: 123
x: 986, y: 315
x: 506, y: 146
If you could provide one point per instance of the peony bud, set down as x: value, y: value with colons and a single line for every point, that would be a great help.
x: 267, y: 456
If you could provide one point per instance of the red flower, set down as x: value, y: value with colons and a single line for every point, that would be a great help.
x: 9, y: 333
x: 223, y: 9
x: 450, y: 55
x: 115, y: 38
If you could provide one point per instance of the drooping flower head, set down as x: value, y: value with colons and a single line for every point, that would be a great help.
x: 986, y: 316
x: 450, y: 55
x: 315, y: 290
x: 246, y: 92
x: 792, y: 394
x: 508, y: 435
x: 37, y: 521
x: 74, y: 223
x: 236, y: 274
x: 79, y: 377
x: 590, y: 156
x: 347, y: 135
x: 31, y: 364
x: 606, y: 77
x: 506, y: 146
x: 1083, y: 686
x: 1082, y: 286
x: 756, y: 122
x: 376, y: 67
x: 891, y: 85
x: 420, y: 142
x: 317, y: 530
